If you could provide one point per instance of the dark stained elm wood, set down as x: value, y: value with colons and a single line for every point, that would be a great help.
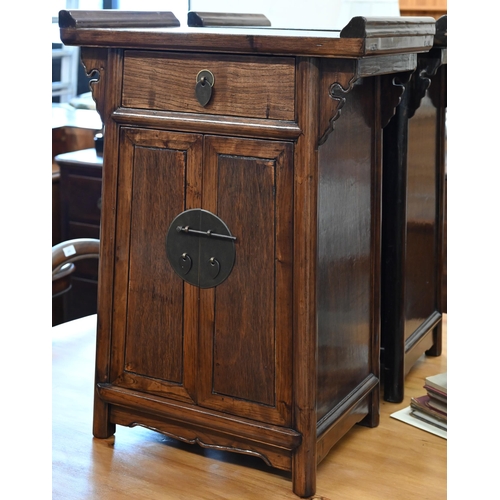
x: 153, y: 292
x: 344, y: 250
x: 366, y: 37
x: 156, y: 166
x: 262, y: 128
x: 421, y: 258
x: 248, y: 184
x: 380, y: 27
x: 109, y: 63
x: 197, y: 19
x: 304, y: 277
x: 116, y: 19
x: 438, y: 96
x: 413, y: 222
x: 243, y: 86
x: 441, y: 36
x: 188, y: 423
x: 247, y: 188
x: 281, y: 359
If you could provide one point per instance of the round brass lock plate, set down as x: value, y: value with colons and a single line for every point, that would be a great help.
x: 200, y: 248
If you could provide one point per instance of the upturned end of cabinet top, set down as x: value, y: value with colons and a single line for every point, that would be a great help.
x: 441, y: 37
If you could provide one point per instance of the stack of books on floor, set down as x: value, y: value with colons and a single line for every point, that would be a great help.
x: 428, y: 412
x: 432, y: 407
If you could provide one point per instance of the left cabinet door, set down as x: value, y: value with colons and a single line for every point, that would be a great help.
x: 155, y: 314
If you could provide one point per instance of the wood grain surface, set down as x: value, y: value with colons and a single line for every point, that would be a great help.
x: 393, y: 460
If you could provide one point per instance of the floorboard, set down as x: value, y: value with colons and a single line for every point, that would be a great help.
x: 392, y: 461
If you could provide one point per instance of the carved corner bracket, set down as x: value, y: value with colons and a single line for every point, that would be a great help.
x: 339, y: 77
x: 344, y: 76
x: 427, y: 68
x: 437, y: 90
x: 392, y: 90
x: 94, y: 62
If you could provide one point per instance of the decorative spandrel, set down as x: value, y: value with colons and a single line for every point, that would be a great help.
x: 339, y: 76
x: 94, y: 62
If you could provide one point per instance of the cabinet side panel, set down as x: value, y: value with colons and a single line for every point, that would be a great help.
x: 155, y: 297
x: 344, y: 251
x: 422, y: 243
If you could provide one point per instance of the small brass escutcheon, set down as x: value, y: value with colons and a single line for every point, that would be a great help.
x: 204, y: 84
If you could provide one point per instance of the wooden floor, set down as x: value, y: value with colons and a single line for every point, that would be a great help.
x: 392, y: 461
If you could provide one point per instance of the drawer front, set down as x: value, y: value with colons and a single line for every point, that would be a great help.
x: 254, y: 87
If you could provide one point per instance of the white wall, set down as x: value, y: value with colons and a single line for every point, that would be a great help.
x: 310, y: 14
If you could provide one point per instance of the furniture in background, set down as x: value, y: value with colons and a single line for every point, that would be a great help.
x: 72, y: 129
x: 239, y: 279
x: 80, y: 192
x: 64, y: 255
x: 413, y: 221
x: 61, y: 283
x: 199, y: 19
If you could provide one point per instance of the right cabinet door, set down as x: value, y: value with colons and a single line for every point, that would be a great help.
x: 245, y: 339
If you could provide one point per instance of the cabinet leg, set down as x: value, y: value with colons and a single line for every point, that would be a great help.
x: 373, y: 417
x: 394, y: 386
x: 437, y: 346
x: 102, y: 427
x: 304, y: 472
x: 394, y: 369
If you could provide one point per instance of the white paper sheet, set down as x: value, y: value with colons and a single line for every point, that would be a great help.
x: 404, y: 416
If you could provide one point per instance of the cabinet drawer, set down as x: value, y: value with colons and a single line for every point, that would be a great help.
x: 84, y: 195
x: 254, y: 87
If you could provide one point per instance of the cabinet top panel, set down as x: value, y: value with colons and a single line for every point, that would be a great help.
x: 361, y: 37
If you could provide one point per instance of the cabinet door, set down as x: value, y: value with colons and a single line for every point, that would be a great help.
x: 246, y: 322
x: 155, y: 313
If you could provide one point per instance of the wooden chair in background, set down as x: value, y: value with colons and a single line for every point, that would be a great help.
x: 64, y: 255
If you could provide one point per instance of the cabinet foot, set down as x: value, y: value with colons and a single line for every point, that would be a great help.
x: 102, y: 427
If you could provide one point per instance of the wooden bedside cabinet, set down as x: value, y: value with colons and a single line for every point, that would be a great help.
x: 80, y: 192
x: 413, y: 221
x: 239, y: 285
